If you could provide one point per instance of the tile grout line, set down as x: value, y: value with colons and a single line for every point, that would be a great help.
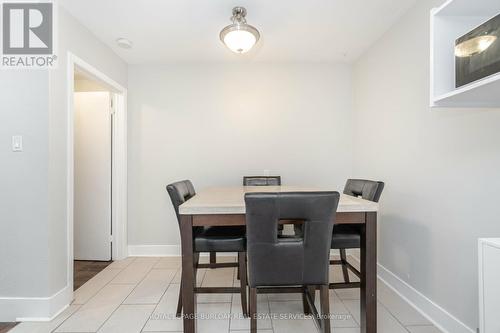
x: 231, y: 304
x: 107, y: 284
x: 81, y: 305
x: 268, y: 302
x: 392, y: 315
x: 120, y: 270
x: 179, y: 270
x: 113, y: 312
x: 163, y: 295
x: 55, y: 328
x: 152, y: 311
x: 111, y: 282
x: 232, y: 300
x: 105, y: 321
x: 269, y: 307
x: 347, y: 308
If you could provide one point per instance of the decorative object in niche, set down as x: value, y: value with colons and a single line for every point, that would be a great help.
x: 477, y: 53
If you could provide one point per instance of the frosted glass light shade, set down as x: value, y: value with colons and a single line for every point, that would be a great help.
x: 474, y: 46
x: 239, y: 38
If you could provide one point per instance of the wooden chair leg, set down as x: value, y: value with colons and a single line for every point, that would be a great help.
x: 196, y: 263
x: 345, y: 269
x: 325, y: 308
x: 238, y: 272
x: 242, y: 269
x: 196, y: 259
x: 253, y: 310
x: 305, y: 305
x: 179, y: 303
x: 312, y: 292
x: 213, y: 257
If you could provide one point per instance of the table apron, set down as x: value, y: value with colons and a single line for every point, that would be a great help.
x: 239, y: 219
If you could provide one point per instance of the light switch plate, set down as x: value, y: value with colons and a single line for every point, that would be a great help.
x: 17, y: 143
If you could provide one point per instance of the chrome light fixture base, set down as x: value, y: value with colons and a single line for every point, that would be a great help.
x: 239, y: 36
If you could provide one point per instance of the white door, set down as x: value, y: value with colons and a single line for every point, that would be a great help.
x: 92, y: 182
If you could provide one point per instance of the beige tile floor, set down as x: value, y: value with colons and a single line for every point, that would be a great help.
x: 140, y: 295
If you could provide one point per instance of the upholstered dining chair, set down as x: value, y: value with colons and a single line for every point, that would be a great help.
x: 291, y: 264
x: 262, y: 181
x: 212, y: 239
x: 348, y: 236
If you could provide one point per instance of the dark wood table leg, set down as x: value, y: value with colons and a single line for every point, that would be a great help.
x: 324, y: 292
x: 188, y: 275
x: 369, y: 274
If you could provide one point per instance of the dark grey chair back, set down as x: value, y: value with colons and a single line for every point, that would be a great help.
x: 262, y: 181
x: 179, y: 193
x: 274, y: 261
x: 366, y: 189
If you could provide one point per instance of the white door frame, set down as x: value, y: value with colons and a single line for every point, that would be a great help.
x: 119, y: 158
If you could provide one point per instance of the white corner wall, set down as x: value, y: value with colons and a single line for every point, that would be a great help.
x: 216, y: 123
x: 23, y: 182
x: 441, y: 168
x: 34, y: 278
x: 74, y: 38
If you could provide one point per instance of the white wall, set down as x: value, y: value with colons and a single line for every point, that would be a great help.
x: 215, y: 123
x: 23, y: 183
x: 441, y: 168
x: 75, y: 38
x: 33, y: 196
x: 86, y: 85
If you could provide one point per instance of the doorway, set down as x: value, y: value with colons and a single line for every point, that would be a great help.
x: 96, y: 171
x: 93, y: 128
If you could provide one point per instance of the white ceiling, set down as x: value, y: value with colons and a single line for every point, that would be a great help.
x: 166, y: 31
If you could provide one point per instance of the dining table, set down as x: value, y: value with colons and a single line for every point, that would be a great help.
x: 225, y: 206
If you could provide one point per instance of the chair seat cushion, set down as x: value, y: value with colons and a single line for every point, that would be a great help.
x: 220, y: 239
x: 346, y: 236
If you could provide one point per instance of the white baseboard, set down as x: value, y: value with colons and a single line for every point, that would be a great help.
x: 437, y: 315
x: 35, y: 308
x: 441, y: 318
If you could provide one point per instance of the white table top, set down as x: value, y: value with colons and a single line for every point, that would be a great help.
x: 230, y: 200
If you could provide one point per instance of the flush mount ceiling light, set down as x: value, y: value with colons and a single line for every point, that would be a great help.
x: 474, y: 46
x: 124, y: 43
x: 239, y: 37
